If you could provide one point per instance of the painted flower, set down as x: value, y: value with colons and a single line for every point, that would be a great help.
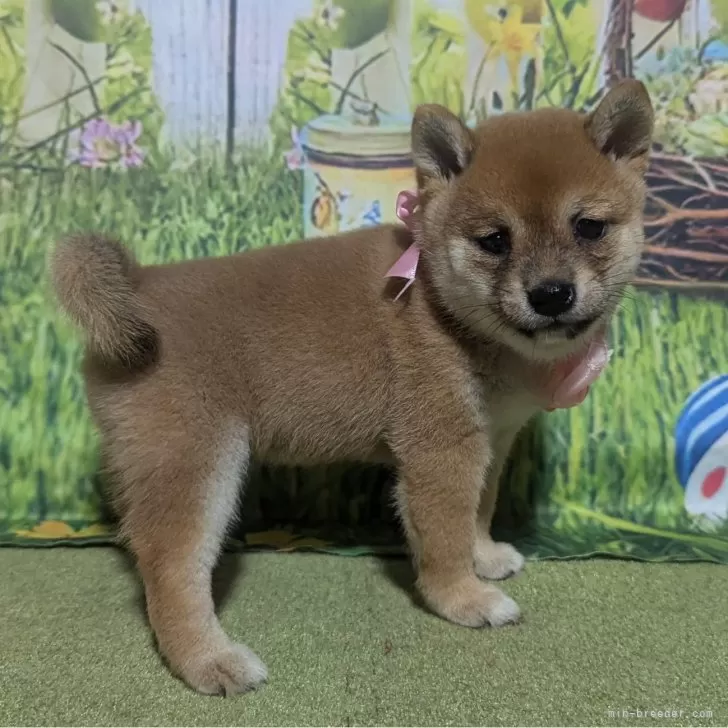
x: 508, y: 31
x: 373, y: 214
x: 103, y: 144
x: 127, y: 135
x: 95, y: 146
x: 513, y: 39
x: 295, y: 157
x: 108, y: 10
x: 329, y: 15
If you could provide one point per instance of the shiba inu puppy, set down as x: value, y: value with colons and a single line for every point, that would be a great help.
x: 526, y: 231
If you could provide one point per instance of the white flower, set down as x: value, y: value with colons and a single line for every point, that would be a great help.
x: 329, y: 15
x: 108, y: 10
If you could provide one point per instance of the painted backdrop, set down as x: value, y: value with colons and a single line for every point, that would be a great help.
x: 205, y: 127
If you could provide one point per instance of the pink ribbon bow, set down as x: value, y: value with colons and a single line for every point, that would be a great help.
x: 406, y: 265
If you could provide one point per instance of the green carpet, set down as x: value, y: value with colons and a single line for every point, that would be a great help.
x: 345, y: 645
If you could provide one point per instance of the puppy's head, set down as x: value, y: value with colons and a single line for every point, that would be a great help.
x: 532, y: 223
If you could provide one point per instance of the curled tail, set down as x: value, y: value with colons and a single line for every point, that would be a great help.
x: 95, y: 279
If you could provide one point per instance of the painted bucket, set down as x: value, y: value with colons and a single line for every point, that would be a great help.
x: 353, y: 173
x: 701, y: 450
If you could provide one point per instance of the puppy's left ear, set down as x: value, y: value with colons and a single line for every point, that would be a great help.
x: 622, y: 125
x: 442, y: 146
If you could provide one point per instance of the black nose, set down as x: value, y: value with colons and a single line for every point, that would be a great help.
x: 552, y: 298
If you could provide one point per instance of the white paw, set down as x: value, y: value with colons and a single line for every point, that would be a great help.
x: 504, y: 611
x: 233, y: 670
x: 497, y: 560
x: 472, y: 603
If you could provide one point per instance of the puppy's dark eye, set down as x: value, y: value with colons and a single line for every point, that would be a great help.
x: 498, y: 243
x: 587, y: 229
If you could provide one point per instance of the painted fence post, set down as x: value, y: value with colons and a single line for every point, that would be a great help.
x: 262, y: 38
x: 189, y: 68
x: 191, y: 55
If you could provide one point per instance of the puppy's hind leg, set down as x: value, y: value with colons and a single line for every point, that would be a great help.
x: 178, y: 498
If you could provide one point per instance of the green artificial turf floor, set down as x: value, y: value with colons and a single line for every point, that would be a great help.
x: 346, y: 645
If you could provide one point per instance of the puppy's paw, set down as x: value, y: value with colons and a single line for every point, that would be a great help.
x: 497, y: 560
x: 231, y: 671
x: 472, y: 603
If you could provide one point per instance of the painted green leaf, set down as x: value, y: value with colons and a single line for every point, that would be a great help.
x: 448, y: 23
x: 569, y: 6
x: 78, y: 18
x: 720, y: 16
x: 360, y: 21
x: 708, y: 135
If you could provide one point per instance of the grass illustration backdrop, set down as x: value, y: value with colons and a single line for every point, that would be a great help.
x: 596, y: 479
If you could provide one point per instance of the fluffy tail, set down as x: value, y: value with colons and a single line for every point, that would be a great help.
x: 95, y: 279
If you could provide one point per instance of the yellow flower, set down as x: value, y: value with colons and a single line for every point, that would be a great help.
x: 514, y: 40
x: 481, y: 13
x: 505, y: 32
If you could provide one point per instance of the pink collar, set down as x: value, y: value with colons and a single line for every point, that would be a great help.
x: 569, y: 380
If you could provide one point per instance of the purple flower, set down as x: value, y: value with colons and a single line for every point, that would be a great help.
x: 102, y: 144
x: 94, y: 145
x: 130, y: 154
x: 295, y: 157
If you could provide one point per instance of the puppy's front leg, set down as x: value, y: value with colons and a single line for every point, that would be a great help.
x: 438, y: 494
x: 494, y: 559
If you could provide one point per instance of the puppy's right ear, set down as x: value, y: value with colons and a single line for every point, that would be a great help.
x: 442, y: 146
x: 623, y: 123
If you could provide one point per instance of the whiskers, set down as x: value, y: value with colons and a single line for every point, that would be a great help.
x: 482, y: 318
x: 618, y: 297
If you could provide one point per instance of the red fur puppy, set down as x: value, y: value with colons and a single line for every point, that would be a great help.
x: 529, y: 229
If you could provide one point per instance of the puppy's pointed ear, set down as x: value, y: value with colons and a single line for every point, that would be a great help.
x: 442, y: 146
x: 621, y: 126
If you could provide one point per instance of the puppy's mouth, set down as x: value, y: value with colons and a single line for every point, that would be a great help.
x: 568, y: 330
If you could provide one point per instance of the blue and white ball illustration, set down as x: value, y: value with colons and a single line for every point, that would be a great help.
x: 701, y: 450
